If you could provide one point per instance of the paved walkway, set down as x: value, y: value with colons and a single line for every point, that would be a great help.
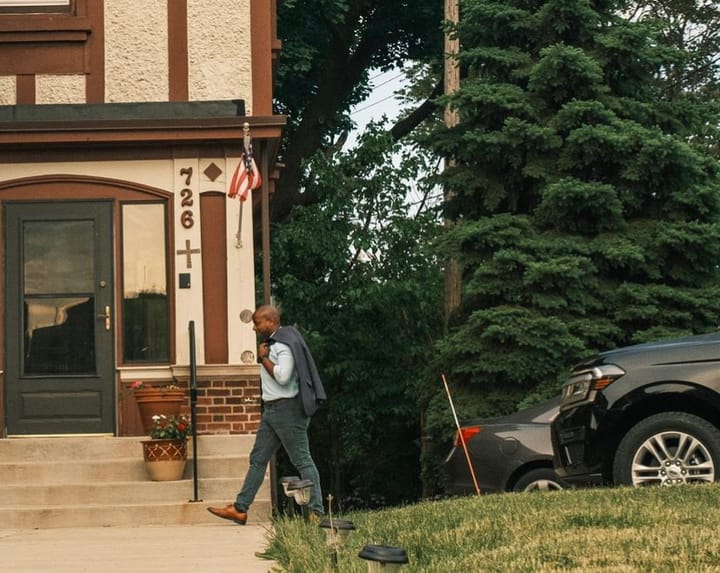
x: 219, y: 548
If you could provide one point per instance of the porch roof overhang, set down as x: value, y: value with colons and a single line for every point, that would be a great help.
x: 53, y: 127
x: 146, y: 130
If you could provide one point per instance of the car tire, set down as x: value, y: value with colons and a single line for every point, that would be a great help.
x: 670, y: 448
x: 539, y: 479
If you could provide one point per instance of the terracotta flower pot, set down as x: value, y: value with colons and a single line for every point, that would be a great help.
x: 165, y: 459
x: 158, y: 401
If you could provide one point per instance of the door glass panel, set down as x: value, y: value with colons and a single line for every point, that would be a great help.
x: 59, y: 335
x: 58, y: 297
x: 58, y: 257
x: 145, y: 319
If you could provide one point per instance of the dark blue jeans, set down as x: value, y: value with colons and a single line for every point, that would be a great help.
x: 283, y: 423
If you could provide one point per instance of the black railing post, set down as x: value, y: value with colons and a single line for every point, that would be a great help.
x: 193, y: 408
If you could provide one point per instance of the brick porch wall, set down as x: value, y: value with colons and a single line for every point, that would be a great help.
x: 228, y: 406
x: 228, y: 401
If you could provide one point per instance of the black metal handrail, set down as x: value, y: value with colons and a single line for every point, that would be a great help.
x: 193, y: 408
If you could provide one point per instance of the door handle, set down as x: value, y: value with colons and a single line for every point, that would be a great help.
x: 106, y: 316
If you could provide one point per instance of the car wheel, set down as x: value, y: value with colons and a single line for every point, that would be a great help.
x: 539, y: 479
x: 671, y: 448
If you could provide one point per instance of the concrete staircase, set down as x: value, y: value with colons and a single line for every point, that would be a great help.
x: 102, y: 481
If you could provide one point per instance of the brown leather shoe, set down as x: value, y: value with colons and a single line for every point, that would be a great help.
x: 229, y: 512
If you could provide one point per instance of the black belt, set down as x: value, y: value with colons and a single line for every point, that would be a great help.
x: 278, y: 400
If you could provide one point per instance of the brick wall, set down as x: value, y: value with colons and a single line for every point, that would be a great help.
x: 228, y: 400
x: 228, y: 406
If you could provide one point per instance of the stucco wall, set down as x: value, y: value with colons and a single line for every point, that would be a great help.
x: 7, y: 90
x: 219, y: 50
x: 136, y: 39
x: 136, y: 59
x: 68, y: 88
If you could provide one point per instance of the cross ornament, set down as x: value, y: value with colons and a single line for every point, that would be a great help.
x: 188, y: 252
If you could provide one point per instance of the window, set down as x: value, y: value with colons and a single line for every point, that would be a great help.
x: 49, y: 38
x: 145, y: 314
x: 31, y: 6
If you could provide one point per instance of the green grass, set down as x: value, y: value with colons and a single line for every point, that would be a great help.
x: 600, y: 530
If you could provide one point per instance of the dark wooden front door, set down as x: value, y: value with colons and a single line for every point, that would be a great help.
x: 59, y: 366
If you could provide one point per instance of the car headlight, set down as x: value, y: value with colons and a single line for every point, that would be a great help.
x: 579, y: 386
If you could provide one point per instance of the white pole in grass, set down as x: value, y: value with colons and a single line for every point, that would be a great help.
x: 460, y: 435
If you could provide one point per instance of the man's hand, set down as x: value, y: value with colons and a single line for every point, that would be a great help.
x: 263, y: 350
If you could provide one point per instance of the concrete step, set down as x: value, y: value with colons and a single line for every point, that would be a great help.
x: 102, y: 481
x: 51, y: 473
x: 109, y: 493
x: 104, y: 447
x: 68, y: 448
x: 110, y: 470
x: 127, y: 514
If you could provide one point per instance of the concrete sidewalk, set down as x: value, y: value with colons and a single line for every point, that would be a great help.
x: 219, y: 548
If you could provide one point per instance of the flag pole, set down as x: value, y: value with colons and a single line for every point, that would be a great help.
x: 238, y: 235
x: 460, y: 435
x: 246, y: 150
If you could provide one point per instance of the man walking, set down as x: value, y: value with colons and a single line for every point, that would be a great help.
x: 291, y: 390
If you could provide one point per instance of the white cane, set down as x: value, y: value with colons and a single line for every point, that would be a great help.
x: 460, y: 434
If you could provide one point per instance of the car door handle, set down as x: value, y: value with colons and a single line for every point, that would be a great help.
x: 106, y: 316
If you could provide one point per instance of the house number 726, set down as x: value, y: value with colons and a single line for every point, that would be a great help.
x: 186, y: 216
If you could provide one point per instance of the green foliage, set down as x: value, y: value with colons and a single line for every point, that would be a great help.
x: 584, y: 207
x: 171, y: 428
x: 574, y: 206
x: 352, y: 262
x: 345, y: 39
x: 585, y: 192
x: 357, y: 274
x: 563, y: 73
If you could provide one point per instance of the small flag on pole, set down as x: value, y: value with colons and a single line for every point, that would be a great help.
x: 246, y: 176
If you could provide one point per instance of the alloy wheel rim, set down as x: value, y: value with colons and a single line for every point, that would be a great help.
x: 672, y: 458
x: 543, y: 485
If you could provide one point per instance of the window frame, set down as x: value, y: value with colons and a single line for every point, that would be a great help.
x: 29, y: 7
x: 169, y: 285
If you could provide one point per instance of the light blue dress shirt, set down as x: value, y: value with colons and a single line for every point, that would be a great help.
x: 284, y: 383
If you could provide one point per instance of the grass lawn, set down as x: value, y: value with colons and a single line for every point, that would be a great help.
x: 600, y: 530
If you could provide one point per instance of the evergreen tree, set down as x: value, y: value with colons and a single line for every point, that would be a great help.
x: 585, y: 194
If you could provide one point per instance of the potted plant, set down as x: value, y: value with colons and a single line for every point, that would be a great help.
x: 165, y: 454
x: 167, y: 401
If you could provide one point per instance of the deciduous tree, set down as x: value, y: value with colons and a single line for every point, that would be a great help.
x: 330, y: 48
x: 357, y: 273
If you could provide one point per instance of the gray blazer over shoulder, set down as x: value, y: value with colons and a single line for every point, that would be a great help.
x: 311, y: 387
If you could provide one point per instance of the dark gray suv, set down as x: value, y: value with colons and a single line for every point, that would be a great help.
x: 642, y: 415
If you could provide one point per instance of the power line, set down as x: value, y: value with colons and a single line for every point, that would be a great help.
x: 381, y: 74
x: 372, y: 104
x: 392, y: 79
x: 376, y: 76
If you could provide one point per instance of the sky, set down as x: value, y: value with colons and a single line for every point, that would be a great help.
x: 380, y: 101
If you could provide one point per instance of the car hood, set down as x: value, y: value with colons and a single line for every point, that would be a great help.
x: 702, y: 347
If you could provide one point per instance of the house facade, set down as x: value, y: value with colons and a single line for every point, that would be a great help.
x: 121, y: 124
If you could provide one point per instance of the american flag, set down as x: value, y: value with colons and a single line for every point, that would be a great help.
x: 246, y: 177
